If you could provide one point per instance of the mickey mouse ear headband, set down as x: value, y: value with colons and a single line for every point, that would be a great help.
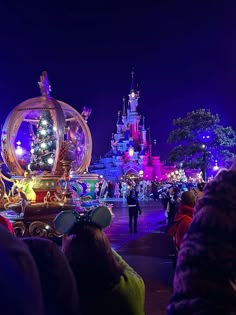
x: 65, y: 220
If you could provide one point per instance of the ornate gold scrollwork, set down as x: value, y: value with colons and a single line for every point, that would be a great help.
x: 2, y: 189
x: 42, y: 229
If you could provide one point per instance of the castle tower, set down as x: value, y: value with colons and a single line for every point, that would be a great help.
x: 124, y: 116
x: 149, y: 147
x: 144, y: 134
x: 134, y: 95
x: 124, y: 110
x: 133, y: 118
x: 156, y: 164
x: 119, y: 124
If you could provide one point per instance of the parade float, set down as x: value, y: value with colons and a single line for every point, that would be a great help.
x: 46, y: 149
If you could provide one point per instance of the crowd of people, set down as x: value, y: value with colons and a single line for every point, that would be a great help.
x: 201, y: 219
x: 205, y: 274
x: 86, y: 276
x: 147, y: 189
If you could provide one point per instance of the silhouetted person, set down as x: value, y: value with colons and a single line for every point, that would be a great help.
x: 172, y: 204
x: 58, y: 284
x: 20, y: 284
x: 134, y: 210
x: 154, y: 191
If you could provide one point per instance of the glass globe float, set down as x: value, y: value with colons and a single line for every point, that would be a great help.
x: 47, y: 129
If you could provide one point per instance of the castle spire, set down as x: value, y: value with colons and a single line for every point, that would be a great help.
x: 119, y: 123
x: 124, y: 111
x: 149, y: 136
x: 132, y: 88
x: 149, y: 147
x: 154, y: 150
x: 143, y: 125
x: 119, y: 120
x: 133, y: 95
x: 44, y: 85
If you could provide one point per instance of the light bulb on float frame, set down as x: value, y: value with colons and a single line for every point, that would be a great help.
x: 44, y: 122
x: 50, y: 161
x: 19, y: 150
x: 43, y: 145
x: 43, y: 132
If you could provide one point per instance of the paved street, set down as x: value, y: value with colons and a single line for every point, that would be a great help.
x: 149, y: 252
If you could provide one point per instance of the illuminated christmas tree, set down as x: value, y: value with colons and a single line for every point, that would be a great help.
x: 43, y: 146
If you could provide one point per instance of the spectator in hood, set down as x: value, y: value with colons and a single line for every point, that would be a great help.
x: 20, y: 283
x: 59, y: 288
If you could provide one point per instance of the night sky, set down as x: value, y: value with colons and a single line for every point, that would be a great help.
x: 183, y: 54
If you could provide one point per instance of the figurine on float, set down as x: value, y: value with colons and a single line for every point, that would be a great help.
x: 27, y: 184
x: 23, y: 201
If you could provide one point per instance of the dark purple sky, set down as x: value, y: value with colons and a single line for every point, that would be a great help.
x: 184, y: 54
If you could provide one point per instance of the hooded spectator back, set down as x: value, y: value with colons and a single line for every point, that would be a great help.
x: 20, y: 284
x: 58, y: 284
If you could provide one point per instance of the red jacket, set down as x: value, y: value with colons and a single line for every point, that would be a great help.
x: 182, y: 221
x: 7, y: 224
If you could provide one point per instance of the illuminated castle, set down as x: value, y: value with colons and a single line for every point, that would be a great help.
x: 132, y: 154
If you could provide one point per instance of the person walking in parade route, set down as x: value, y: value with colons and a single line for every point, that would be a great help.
x: 134, y: 210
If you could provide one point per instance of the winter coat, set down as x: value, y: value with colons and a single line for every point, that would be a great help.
x: 124, y: 298
x: 181, y: 223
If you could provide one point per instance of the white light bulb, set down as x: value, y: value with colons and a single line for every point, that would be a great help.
x: 19, y: 151
x: 44, y: 122
x: 32, y: 150
x: 50, y: 161
x: 43, y: 145
x: 43, y: 132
